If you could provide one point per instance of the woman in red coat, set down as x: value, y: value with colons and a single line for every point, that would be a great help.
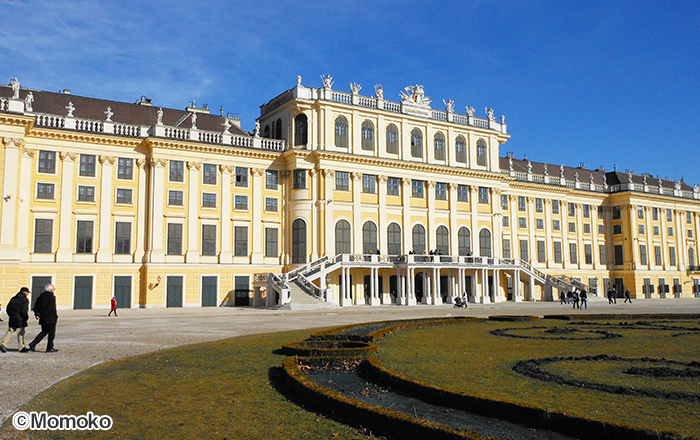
x: 113, y: 308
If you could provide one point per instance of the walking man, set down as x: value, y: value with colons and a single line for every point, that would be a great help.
x: 18, y: 312
x: 628, y: 296
x: 45, y: 311
x: 584, y: 299
x: 113, y: 307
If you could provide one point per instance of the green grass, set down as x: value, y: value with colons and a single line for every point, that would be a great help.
x: 218, y: 390
x: 469, y: 359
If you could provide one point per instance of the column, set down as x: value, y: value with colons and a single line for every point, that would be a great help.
x: 316, y: 215
x: 549, y: 246
x: 328, y: 176
x: 356, y: 178
x: 25, y: 193
x: 140, y: 242
x: 452, y: 197
x: 192, y: 254
x: 594, y: 236
x: 10, y: 189
x: 516, y: 285
x: 496, y: 223
x: 430, y: 221
x: 104, y: 244
x: 382, y: 227
x: 497, y: 286
x: 473, y: 200
x: 681, y: 251
x: 531, y: 240
x: 226, y: 255
x: 157, y: 251
x: 406, y: 219
x: 65, y: 214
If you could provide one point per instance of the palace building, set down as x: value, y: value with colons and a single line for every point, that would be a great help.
x: 336, y: 199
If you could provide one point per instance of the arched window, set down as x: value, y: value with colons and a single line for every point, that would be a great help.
x: 393, y: 235
x: 464, y: 241
x: 367, y: 136
x: 278, y: 129
x: 341, y: 132
x: 691, y: 257
x: 416, y: 143
x: 299, y: 241
x: 301, y: 130
x: 485, y: 243
x: 343, y: 238
x: 439, y: 146
x: 481, y: 152
x: 461, y: 149
x: 369, y: 238
x: 443, y: 240
x: 418, y: 239
x: 392, y: 139
x: 266, y: 131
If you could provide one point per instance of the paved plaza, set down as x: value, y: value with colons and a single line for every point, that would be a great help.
x: 88, y: 337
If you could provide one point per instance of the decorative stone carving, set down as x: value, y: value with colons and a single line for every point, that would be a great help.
x: 677, y: 186
x: 327, y: 81
x: 355, y: 88
x: 226, y: 124
x: 382, y: 178
x: 328, y: 173
x: 696, y: 188
x: 194, y: 120
x: 28, y: 152
x: 226, y: 168
x: 108, y: 159
x: 141, y: 163
x: 503, y: 119
x: 28, y: 102
x: 545, y: 170
x: 256, y: 171
x: 356, y: 175
x: 158, y: 162
x: 489, y: 114
x: 15, y: 88
x: 449, y: 106
x: 312, y: 172
x: 159, y: 120
x: 453, y: 186
x: 629, y: 176
x: 13, y: 142
x: 70, y: 156
x: 510, y: 163
x: 195, y: 165
x: 379, y: 91
x: 590, y: 178
x: 284, y: 174
x: 576, y: 176
x: 529, y: 166
x: 417, y: 96
x: 405, y: 181
x: 71, y: 108
x: 644, y: 179
x: 298, y: 80
x: 605, y: 181
x: 109, y: 114
x: 257, y: 129
x: 470, y: 110
x: 561, y: 171
x: 660, y: 185
x: 431, y: 183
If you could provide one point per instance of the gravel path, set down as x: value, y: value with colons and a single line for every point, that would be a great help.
x: 88, y: 337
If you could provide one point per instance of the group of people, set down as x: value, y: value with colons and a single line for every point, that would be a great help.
x: 612, y: 296
x: 18, y: 313
x: 577, y: 297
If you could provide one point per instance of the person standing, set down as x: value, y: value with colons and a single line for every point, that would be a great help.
x: 584, y: 299
x: 574, y: 298
x: 45, y: 311
x: 18, y: 313
x: 113, y: 307
x: 611, y: 296
x: 628, y: 296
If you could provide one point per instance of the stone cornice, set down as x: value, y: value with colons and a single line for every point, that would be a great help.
x: 84, y: 137
x: 19, y: 120
x: 211, y: 149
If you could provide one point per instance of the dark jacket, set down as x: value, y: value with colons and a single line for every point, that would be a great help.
x: 45, y: 308
x: 18, y: 311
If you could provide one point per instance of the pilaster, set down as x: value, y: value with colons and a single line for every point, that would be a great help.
x: 356, y: 178
x: 157, y: 251
x: 25, y: 194
x: 140, y: 241
x: 193, y: 233
x: 104, y: 247
x: 10, y: 199
x: 65, y: 244
x: 225, y: 256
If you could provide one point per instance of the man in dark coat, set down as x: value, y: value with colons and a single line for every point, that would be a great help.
x: 18, y: 312
x: 45, y: 310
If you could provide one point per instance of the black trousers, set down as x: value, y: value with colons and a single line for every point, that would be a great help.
x: 46, y: 329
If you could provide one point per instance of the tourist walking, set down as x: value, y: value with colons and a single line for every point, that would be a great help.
x: 45, y: 311
x: 628, y: 296
x: 569, y: 296
x: 562, y: 297
x: 113, y: 307
x: 584, y: 300
x: 574, y: 299
x: 611, y: 296
x: 18, y: 314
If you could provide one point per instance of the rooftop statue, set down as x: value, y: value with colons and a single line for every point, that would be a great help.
x: 298, y: 80
x: 257, y: 129
x: 71, y: 108
x: 545, y: 170
x: 355, y: 88
x: 590, y: 178
x: 503, y: 119
x: 561, y: 171
x: 28, y: 101
x: 327, y: 81
x: 379, y: 91
x: 677, y: 185
x: 489, y: 114
x: 159, y: 121
x: 510, y: 163
x: 417, y: 95
x: 449, y: 106
x: 194, y: 121
x: 226, y: 124
x: 109, y: 114
x: 470, y: 110
x: 576, y: 176
x: 629, y: 176
x: 529, y: 166
x: 15, y: 88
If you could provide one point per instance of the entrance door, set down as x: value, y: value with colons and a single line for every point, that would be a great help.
x: 174, y: 292
x: 418, y: 283
x: 444, y: 287
x: 209, y: 291
x: 122, y: 292
x: 491, y: 292
x: 468, y: 286
x: 242, y: 286
x: 368, y: 290
x: 38, y: 284
x: 82, y: 294
x: 380, y: 289
x: 393, y: 288
x: 619, y: 287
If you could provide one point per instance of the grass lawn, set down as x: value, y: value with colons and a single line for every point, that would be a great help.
x: 217, y: 390
x: 468, y: 358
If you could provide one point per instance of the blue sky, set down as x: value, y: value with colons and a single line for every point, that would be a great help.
x: 599, y: 83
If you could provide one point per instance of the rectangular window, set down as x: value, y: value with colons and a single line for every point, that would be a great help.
x: 393, y: 186
x: 555, y: 207
x: 641, y: 229
x: 588, y: 253
x: 483, y: 195
x: 47, y: 162
x: 669, y: 215
x: 557, y: 252
x: 689, y: 217
x: 271, y: 249
x: 586, y: 228
x: 87, y: 165
x: 643, y: 254
x: 522, y: 222
x: 556, y: 225
x: 539, y: 205
x: 271, y: 204
x: 640, y: 212
x: 208, y: 239
x: 43, y: 236
x: 242, y: 177
x: 619, y: 261
x: 657, y: 256
x: 342, y: 181
x: 617, y: 229
x: 174, y: 198
x: 417, y: 187
x: 572, y: 226
x: 174, y: 239
x: 208, y: 200
x: 572, y: 210
x: 124, y: 196
x: 462, y: 193
x: 240, y: 202
x: 209, y: 173
x: 125, y: 168
x: 670, y: 232
x: 522, y: 204
x: 240, y: 241
x: 45, y: 191
x: 86, y: 193
x: 506, y: 248
x: 369, y: 183
x: 672, y: 255
x: 299, y: 179
x: 177, y: 171
x: 655, y: 230
x: 655, y: 213
x: 690, y: 233
x: 539, y: 223
x: 506, y: 221
x: 603, y: 253
x: 84, y: 237
x: 523, y: 251
x: 271, y: 179
x: 441, y: 191
x: 586, y: 211
x: 616, y: 213
x: 573, y: 254
x: 122, y: 238
x: 601, y: 229
x: 601, y: 213
x: 504, y: 201
x: 541, y: 252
